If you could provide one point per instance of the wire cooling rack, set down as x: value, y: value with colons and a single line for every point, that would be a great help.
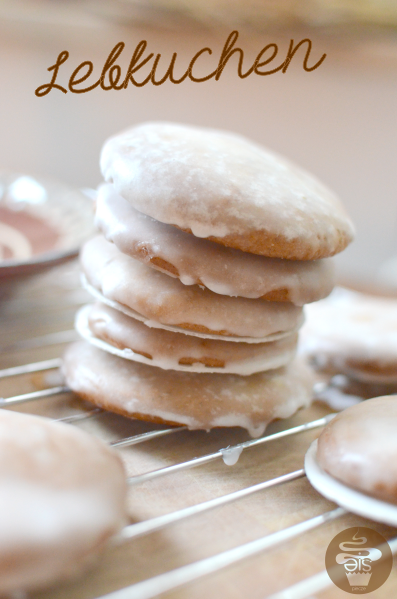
x: 199, y: 526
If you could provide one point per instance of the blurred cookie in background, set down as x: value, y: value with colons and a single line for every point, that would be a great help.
x: 354, y: 334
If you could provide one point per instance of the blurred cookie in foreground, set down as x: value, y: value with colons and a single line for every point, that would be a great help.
x: 195, y: 261
x: 223, y: 187
x: 359, y: 447
x: 353, y: 334
x: 62, y: 496
x: 198, y: 400
x: 117, y: 333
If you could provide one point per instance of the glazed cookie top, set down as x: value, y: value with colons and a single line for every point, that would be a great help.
x: 165, y: 300
x: 201, y: 401
x: 224, y: 270
x: 223, y: 187
x: 359, y: 447
x: 354, y: 334
x: 62, y: 494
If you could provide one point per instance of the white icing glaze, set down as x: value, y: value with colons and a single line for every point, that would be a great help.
x: 167, y: 301
x: 62, y: 494
x: 217, y: 184
x: 116, y: 333
x: 230, y: 455
x: 229, y: 420
x: 157, y: 325
x: 336, y: 399
x: 199, y: 400
x: 348, y: 331
x: 344, y: 496
x: 223, y: 270
x: 359, y: 447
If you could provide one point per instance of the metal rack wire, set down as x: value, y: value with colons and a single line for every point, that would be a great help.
x: 177, y: 577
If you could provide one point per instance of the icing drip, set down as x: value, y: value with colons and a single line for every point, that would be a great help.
x: 157, y: 325
x: 230, y: 455
x: 200, y: 400
x: 223, y: 270
x: 162, y: 299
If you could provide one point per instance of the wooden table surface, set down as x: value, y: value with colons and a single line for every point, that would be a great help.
x: 45, y: 303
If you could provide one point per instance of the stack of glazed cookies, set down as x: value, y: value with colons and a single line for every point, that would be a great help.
x: 210, y: 246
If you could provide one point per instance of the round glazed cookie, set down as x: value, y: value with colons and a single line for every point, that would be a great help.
x: 225, y: 188
x: 162, y: 299
x: 62, y: 495
x: 126, y: 337
x: 359, y: 447
x: 200, y: 401
x: 353, y: 334
x: 224, y: 270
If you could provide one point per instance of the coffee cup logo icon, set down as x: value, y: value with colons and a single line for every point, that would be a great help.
x: 358, y: 560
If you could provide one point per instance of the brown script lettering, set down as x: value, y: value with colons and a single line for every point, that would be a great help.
x: 111, y: 75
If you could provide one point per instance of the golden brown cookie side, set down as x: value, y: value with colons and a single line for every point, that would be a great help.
x: 270, y: 245
x: 373, y: 367
x: 277, y: 295
x: 164, y: 265
x: 101, y: 402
